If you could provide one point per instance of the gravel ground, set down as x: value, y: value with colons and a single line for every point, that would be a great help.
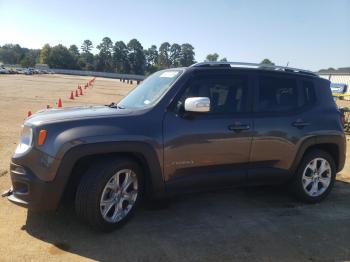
x: 245, y: 224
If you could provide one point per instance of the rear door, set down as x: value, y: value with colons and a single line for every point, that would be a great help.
x: 281, y: 122
x: 209, y: 149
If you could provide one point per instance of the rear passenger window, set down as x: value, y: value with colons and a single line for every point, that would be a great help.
x: 277, y: 94
x: 308, y: 97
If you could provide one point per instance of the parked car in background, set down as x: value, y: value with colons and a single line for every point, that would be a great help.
x: 3, y: 70
x: 12, y: 71
x: 20, y: 70
x: 28, y: 71
x: 208, y: 126
x: 339, y: 88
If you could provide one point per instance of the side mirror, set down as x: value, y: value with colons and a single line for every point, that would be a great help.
x: 197, y: 104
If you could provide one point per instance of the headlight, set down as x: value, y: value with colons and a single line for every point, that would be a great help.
x: 26, y: 140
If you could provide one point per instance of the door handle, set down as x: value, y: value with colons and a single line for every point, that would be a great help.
x: 238, y: 127
x: 300, y: 124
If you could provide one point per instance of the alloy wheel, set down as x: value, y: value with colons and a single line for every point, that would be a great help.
x: 119, y: 195
x: 316, y: 177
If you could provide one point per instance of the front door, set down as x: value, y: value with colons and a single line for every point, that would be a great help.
x: 209, y: 149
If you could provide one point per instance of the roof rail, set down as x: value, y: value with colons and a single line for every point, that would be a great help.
x: 255, y: 65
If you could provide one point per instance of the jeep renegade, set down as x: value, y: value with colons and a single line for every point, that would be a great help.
x: 211, y: 125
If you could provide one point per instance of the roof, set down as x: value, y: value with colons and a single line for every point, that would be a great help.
x: 267, y: 67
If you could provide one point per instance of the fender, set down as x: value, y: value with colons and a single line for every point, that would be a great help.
x: 77, y: 152
x: 336, y: 140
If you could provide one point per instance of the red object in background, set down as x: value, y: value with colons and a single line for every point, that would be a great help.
x: 71, y: 95
x: 76, y: 93
x: 48, y: 106
x: 80, y: 91
x: 29, y: 113
x: 59, y: 103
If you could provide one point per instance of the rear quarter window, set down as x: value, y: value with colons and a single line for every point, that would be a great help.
x: 308, y: 96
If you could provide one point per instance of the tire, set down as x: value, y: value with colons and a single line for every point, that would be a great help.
x: 98, y: 192
x: 305, y: 177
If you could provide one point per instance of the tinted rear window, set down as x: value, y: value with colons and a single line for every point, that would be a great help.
x: 277, y: 94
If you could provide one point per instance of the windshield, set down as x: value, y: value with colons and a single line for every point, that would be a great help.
x: 150, y: 90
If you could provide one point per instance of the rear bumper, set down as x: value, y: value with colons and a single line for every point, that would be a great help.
x: 341, y: 163
x: 342, y: 155
x: 31, y: 192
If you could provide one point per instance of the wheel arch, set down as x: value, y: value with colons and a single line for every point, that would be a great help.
x: 77, y: 160
x: 332, y: 144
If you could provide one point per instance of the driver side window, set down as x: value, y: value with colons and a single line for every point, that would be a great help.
x: 227, y: 94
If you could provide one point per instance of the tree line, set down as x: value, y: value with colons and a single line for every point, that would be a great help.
x: 15, y: 54
x: 130, y: 58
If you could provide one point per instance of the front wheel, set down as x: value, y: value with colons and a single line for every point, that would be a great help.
x: 109, y: 193
x: 315, y: 176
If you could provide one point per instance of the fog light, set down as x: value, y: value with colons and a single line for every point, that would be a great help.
x: 20, y: 188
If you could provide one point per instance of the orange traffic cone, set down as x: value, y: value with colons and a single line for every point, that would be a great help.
x: 59, y: 103
x: 76, y: 93
x: 71, y: 95
x: 29, y: 113
x: 80, y: 91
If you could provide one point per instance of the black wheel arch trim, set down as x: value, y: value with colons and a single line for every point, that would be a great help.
x: 72, y: 156
x: 337, y: 140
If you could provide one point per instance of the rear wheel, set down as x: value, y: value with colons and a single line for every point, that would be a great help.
x: 315, y: 176
x: 109, y: 193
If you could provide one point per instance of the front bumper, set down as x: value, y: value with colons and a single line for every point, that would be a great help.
x: 29, y: 191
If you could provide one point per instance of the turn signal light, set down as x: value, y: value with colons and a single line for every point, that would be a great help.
x: 42, y: 137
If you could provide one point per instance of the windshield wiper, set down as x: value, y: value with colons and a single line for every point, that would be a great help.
x: 114, y: 105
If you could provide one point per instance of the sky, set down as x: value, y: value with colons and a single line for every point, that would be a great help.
x: 310, y: 34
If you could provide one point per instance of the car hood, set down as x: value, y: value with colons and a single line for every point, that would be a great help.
x: 74, y: 113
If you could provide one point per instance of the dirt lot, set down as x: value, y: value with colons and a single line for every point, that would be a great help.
x: 250, y: 224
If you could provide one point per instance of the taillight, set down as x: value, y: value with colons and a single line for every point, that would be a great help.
x: 342, y: 119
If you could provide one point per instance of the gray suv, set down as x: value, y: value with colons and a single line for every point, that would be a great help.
x: 208, y: 126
